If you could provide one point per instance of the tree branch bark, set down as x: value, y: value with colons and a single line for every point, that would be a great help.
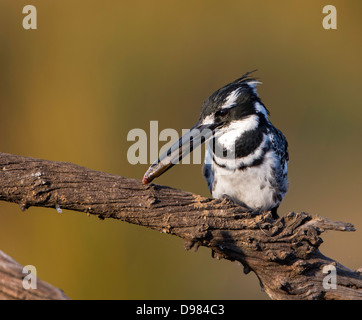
x: 12, y: 286
x: 283, y: 253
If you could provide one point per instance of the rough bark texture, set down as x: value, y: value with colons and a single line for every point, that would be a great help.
x: 283, y: 253
x: 12, y: 288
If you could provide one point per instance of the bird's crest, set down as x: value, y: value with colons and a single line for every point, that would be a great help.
x: 246, y: 79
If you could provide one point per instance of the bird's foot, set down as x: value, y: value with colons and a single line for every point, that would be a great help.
x: 274, y: 213
x: 231, y: 201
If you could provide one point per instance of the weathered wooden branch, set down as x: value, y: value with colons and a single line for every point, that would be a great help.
x: 283, y: 253
x: 12, y: 279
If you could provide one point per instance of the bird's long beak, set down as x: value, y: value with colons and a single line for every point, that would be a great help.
x: 197, y: 135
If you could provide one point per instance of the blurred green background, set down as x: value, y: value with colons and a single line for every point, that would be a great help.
x: 93, y: 70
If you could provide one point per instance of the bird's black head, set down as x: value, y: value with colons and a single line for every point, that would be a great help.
x: 235, y: 101
x: 234, y: 108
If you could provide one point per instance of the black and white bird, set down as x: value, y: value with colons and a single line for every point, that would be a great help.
x: 247, y: 157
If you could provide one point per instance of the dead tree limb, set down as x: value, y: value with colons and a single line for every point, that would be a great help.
x: 283, y: 253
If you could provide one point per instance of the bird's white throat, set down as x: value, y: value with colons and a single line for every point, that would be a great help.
x: 227, y: 136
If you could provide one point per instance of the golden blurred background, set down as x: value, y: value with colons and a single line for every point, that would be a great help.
x: 93, y: 70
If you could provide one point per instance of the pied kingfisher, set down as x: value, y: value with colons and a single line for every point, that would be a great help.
x: 247, y: 157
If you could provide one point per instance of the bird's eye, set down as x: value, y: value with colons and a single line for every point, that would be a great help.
x: 221, y: 113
